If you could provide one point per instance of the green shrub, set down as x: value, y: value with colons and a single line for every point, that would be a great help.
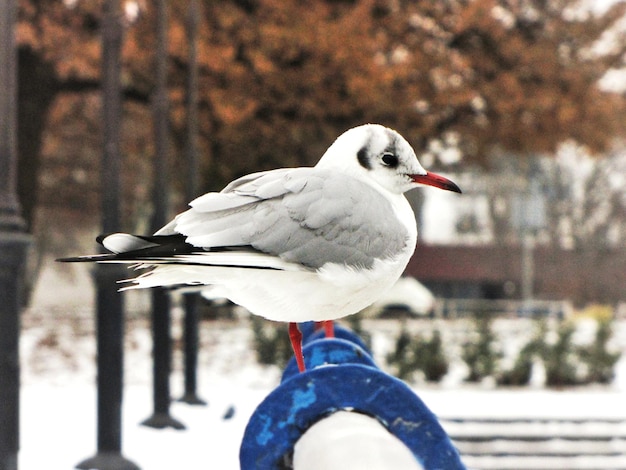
x: 600, y: 363
x: 481, y: 356
x: 271, y: 342
x: 401, y: 358
x: 521, y: 372
x: 430, y: 357
x: 560, y: 358
x: 412, y: 354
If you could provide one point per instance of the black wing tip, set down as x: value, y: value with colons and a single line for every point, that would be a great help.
x: 90, y: 258
x: 86, y: 259
x: 164, y: 246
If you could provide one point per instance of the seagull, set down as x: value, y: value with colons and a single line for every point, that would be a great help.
x: 293, y: 244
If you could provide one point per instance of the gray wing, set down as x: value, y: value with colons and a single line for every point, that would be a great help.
x: 303, y: 215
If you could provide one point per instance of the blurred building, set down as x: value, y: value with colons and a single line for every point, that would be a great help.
x: 510, y: 228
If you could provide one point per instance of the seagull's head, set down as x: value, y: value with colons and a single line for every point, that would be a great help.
x: 375, y: 153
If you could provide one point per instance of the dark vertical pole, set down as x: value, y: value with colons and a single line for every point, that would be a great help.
x: 191, y: 141
x: 191, y: 350
x: 109, y: 302
x: 191, y: 152
x: 161, y: 318
x: 10, y: 217
x: 13, y: 244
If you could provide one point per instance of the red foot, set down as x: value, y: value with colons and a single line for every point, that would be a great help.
x: 296, y: 343
x: 329, y: 328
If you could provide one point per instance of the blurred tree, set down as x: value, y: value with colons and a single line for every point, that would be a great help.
x: 60, y: 113
x: 279, y: 80
x: 590, y: 202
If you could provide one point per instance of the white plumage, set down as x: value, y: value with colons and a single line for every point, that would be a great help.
x: 294, y: 244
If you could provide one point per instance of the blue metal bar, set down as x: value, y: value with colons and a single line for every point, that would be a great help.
x: 340, y: 375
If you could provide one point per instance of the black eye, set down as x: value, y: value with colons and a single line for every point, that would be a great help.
x: 390, y: 160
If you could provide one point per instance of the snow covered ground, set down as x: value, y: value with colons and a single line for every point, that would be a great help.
x: 58, y: 427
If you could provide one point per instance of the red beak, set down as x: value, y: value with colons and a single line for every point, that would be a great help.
x: 432, y: 179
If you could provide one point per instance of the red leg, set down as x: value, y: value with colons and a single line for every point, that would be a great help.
x: 329, y: 328
x: 296, y: 343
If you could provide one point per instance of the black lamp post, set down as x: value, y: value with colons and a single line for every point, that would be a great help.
x: 109, y: 302
x: 161, y: 304
x: 191, y: 152
x: 14, y: 243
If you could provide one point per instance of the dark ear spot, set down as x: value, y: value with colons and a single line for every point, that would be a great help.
x: 363, y: 158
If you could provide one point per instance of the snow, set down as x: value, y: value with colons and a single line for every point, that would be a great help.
x: 58, y: 403
x: 58, y: 414
x: 58, y: 400
x: 58, y: 428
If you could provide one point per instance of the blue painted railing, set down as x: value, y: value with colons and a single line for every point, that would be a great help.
x: 341, y: 375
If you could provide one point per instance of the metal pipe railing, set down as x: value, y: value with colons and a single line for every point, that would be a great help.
x: 342, y: 377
